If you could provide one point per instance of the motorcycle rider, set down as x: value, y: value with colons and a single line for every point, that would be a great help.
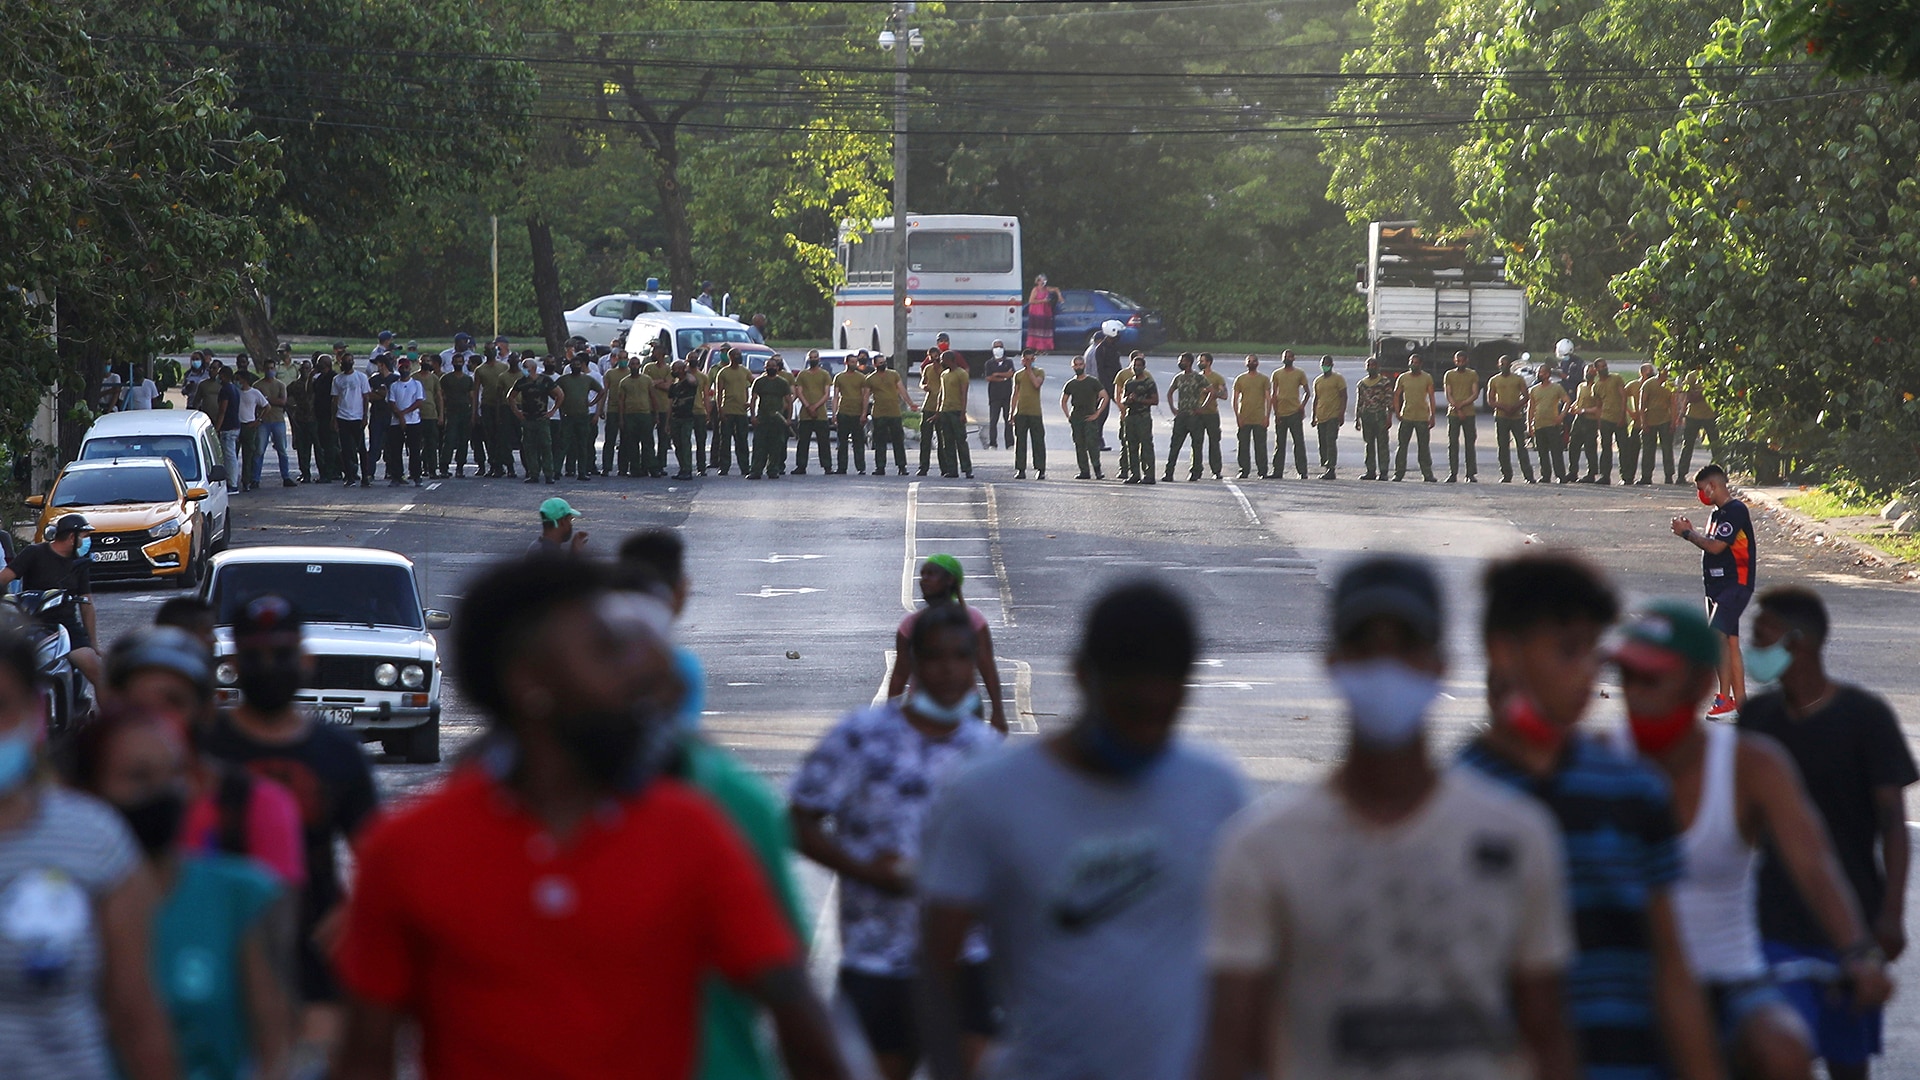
x: 63, y: 563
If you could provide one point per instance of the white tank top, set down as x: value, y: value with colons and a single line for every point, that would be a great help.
x: 1714, y: 899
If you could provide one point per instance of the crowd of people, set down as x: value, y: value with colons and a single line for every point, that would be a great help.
x: 595, y: 889
x: 592, y: 412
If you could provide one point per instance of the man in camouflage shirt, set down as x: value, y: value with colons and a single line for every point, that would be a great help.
x: 1188, y: 391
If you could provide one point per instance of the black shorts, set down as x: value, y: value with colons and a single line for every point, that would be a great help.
x: 1726, y: 605
x: 885, y: 1007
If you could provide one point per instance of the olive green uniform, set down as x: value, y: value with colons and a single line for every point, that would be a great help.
x: 770, y: 395
x: 1187, y: 390
x: 1656, y: 427
x: 1416, y: 416
x: 1132, y: 389
x: 886, y: 394
x: 576, y: 424
x: 1462, y: 386
x: 1289, y: 418
x: 930, y: 432
x: 534, y: 396
x: 1507, y: 394
x: 814, y: 385
x: 1029, y: 426
x: 954, y: 453
x: 456, y: 400
x: 850, y: 417
x: 1547, y: 406
x: 734, y: 386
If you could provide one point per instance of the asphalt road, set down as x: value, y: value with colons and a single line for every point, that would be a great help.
x: 820, y: 566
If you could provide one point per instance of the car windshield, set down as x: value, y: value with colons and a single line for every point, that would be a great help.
x: 1120, y: 301
x: 177, y: 447
x: 367, y: 594
x: 115, y: 487
x: 716, y: 335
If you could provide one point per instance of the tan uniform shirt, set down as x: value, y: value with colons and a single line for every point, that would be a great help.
x: 1462, y: 386
x: 1610, y: 392
x: 1253, y: 389
x: 1287, y: 384
x: 1026, y: 396
x: 1329, y: 398
x: 1507, y: 393
x: 886, y: 387
x: 735, y: 383
x: 1416, y: 396
x: 851, y: 385
x: 813, y: 384
x: 953, y: 389
x: 1547, y: 401
x: 1218, y: 383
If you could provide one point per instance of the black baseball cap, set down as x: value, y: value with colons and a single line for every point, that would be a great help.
x: 1390, y: 586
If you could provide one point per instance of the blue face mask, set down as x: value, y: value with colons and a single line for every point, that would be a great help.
x: 1766, y: 663
x: 967, y: 708
x: 16, y: 760
x: 196, y: 365
x: 86, y: 545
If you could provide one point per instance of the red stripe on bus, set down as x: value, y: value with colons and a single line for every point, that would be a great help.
x: 930, y: 303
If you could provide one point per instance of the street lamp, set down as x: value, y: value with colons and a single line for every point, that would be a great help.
x: 896, y: 32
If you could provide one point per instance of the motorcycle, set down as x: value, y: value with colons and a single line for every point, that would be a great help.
x: 70, y: 699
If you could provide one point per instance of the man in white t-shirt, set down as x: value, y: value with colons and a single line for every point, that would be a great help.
x: 1393, y: 921
x: 253, y: 404
x: 350, y: 390
x: 405, y: 396
x: 140, y: 392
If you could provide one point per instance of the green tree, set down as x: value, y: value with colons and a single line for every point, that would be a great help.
x: 1790, y: 263
x: 128, y: 199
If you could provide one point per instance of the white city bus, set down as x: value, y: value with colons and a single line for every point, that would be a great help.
x: 963, y: 278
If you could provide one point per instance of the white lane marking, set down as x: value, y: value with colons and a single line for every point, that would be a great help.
x: 768, y: 592
x: 907, y: 565
x: 1245, y: 506
x: 775, y: 559
x: 997, y: 550
x: 955, y: 539
x: 406, y: 508
x: 435, y: 486
x: 1024, y: 722
x: 825, y: 964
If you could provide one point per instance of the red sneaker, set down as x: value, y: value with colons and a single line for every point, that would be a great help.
x: 1723, y: 708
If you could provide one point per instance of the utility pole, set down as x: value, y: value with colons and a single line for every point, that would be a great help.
x: 897, y: 39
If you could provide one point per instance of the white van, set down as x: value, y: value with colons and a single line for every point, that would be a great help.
x: 184, y: 436
x: 682, y: 333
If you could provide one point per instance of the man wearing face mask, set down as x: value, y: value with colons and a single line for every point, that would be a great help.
x: 62, y: 563
x: 1421, y: 913
x: 860, y: 799
x: 270, y: 736
x: 218, y: 943
x: 562, y: 828
x: 1732, y: 789
x: 1729, y: 563
x: 1085, y: 855
x: 1635, y: 1008
x: 1329, y: 413
x: 999, y: 372
x: 887, y: 397
x: 1252, y: 402
x: 940, y: 580
x: 1084, y: 400
x: 1847, y: 743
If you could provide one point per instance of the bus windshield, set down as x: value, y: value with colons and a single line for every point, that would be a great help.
x: 959, y: 252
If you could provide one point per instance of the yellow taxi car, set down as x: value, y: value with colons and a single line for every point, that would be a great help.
x: 146, y: 522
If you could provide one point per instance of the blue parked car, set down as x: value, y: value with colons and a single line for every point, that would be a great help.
x: 1083, y: 310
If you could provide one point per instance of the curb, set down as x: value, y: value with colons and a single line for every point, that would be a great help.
x: 1821, y: 532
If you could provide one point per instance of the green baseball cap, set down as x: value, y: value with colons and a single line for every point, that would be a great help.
x: 951, y: 565
x: 1666, y: 634
x: 556, y: 510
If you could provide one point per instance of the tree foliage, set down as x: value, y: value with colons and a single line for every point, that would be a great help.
x: 126, y: 209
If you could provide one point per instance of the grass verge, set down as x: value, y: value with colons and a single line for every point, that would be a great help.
x: 1830, y: 504
x: 1824, y: 504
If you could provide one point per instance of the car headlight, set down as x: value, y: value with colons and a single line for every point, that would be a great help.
x: 413, y: 676
x: 386, y: 674
x: 170, y: 527
x: 227, y: 672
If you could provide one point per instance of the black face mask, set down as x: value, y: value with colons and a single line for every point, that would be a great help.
x: 155, y: 820
x: 268, y: 684
x: 616, y: 750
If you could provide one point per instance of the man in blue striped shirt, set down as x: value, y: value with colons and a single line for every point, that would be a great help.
x: 1637, y: 1012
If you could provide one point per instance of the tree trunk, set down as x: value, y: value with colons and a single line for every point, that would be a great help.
x: 83, y: 364
x: 546, y: 284
x: 256, y: 323
x: 673, y: 208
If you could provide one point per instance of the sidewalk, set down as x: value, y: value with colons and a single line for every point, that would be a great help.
x: 1838, y: 533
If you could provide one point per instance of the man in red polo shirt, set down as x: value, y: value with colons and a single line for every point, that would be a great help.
x: 551, y: 910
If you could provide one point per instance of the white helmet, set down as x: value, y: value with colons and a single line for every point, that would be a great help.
x: 1112, y: 327
x: 1563, y: 347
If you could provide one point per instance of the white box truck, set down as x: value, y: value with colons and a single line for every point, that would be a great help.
x: 1436, y: 299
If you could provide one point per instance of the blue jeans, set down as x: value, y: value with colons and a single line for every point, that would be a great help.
x: 270, y: 433
x: 230, y: 450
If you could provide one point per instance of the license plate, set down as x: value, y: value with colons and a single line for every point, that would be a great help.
x: 110, y: 556
x: 334, y: 714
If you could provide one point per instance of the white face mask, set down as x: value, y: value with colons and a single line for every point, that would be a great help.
x: 967, y: 708
x: 1386, y: 699
x: 998, y: 352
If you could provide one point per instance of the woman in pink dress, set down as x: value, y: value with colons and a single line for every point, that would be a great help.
x: 1041, y: 304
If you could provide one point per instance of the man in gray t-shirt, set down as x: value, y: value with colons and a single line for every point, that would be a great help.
x: 56, y: 872
x: 1086, y: 855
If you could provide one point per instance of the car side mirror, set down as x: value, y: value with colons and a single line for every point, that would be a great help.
x: 36, y: 501
x: 438, y: 620
x: 196, y: 494
x: 217, y: 474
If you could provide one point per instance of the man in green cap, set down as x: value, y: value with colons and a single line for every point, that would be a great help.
x: 557, y: 534
x: 940, y: 580
x: 1740, y: 786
